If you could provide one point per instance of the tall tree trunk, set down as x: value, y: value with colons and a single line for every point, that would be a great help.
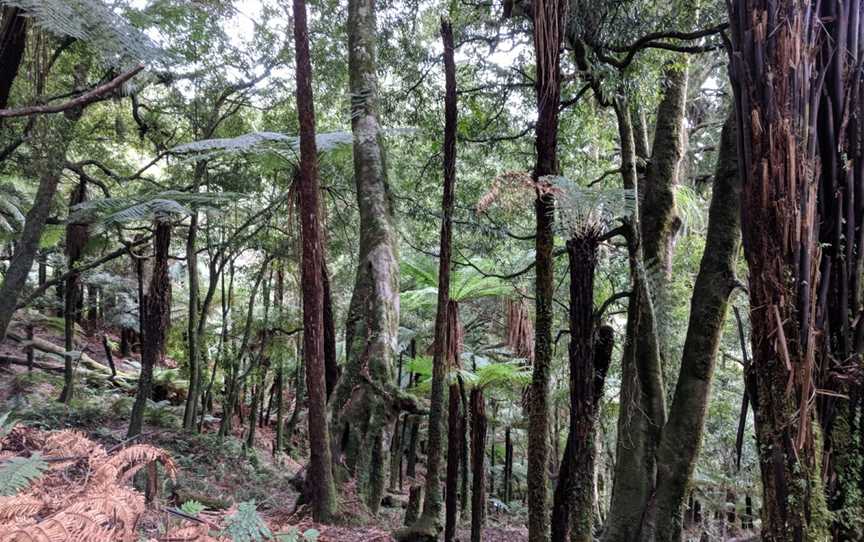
x: 775, y: 49
x: 361, y: 415
x: 77, y: 236
x: 50, y: 143
x: 320, y: 473
x: 839, y: 313
x: 549, y: 27
x: 455, y: 430
x: 478, y: 455
x: 428, y: 525
x: 682, y: 434
x: 642, y: 393
x: 588, y: 356
x: 192, y: 335
x: 156, y: 314
x: 13, y: 39
x: 331, y: 364
x: 508, y: 466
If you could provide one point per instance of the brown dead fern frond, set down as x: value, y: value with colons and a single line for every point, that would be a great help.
x: 73, y: 445
x: 19, y: 508
x: 122, y: 466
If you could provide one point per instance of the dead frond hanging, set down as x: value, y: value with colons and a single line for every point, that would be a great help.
x: 520, y: 329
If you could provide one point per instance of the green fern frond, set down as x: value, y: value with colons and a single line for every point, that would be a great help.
x: 246, y: 525
x: 94, y: 23
x: 109, y: 212
x: 285, y: 146
x: 18, y: 472
x: 583, y: 208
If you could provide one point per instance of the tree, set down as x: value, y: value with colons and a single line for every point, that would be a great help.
x: 157, y: 312
x: 320, y: 474
x: 549, y: 26
x: 773, y: 98
x: 428, y: 525
x: 373, y: 316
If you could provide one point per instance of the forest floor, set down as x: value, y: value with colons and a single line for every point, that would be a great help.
x: 218, y: 473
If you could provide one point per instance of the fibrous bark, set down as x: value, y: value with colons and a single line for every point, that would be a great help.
x: 319, y: 477
x: 588, y: 356
x: 156, y: 314
x: 775, y: 74
x: 549, y: 26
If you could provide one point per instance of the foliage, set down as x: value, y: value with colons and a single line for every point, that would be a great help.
x: 16, y: 473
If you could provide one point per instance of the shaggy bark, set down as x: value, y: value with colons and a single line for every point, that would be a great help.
x: 320, y: 473
x: 588, y: 357
x: 774, y: 67
x: 156, y: 314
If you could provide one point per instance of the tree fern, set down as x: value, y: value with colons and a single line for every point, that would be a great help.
x: 17, y: 473
x: 466, y: 284
x: 109, y: 212
x: 285, y: 146
x: 91, y: 21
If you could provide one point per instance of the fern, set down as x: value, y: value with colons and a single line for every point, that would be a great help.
x: 6, y: 424
x: 109, y: 212
x: 246, y: 525
x: 282, y: 145
x: 91, y: 21
x: 17, y: 473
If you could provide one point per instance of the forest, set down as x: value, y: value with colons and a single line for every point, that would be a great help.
x: 413, y: 270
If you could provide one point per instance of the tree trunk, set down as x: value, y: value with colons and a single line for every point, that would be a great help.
x: 773, y: 46
x: 478, y: 455
x: 320, y: 474
x: 642, y: 396
x: 428, y: 525
x: 13, y: 39
x: 155, y: 323
x: 589, y: 353
x: 508, y: 466
x: 50, y: 144
x: 192, y: 336
x: 682, y: 435
x: 77, y: 236
x: 549, y: 25
x: 372, y: 324
x: 454, y: 452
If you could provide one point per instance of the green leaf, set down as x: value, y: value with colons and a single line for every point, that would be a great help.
x: 18, y: 472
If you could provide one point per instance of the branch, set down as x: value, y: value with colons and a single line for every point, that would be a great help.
x: 81, y: 101
x: 598, y: 314
x: 95, y: 263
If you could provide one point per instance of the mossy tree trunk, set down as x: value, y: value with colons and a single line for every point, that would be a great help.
x: 650, y: 235
x: 682, y: 434
x: 549, y: 19
x: 428, y: 525
x: 774, y: 44
x: 361, y: 414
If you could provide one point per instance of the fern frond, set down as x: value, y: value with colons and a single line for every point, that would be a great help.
x: 285, y: 146
x: 18, y: 472
x: 92, y: 22
x: 122, y: 466
x: 19, y: 507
